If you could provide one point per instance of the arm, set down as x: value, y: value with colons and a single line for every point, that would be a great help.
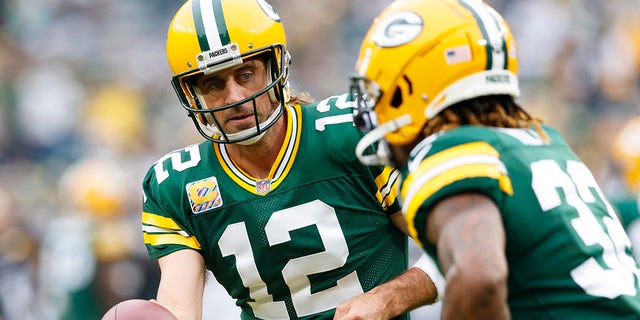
x: 182, y: 284
x: 470, y: 237
x: 409, y: 290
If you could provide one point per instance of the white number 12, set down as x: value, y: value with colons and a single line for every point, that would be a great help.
x: 235, y: 241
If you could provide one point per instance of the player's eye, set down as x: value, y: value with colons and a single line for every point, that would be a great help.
x: 213, y: 84
x: 245, y: 77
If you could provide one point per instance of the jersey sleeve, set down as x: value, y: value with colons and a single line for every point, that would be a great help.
x: 162, y: 231
x: 451, y: 167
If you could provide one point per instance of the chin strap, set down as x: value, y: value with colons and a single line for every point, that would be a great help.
x: 375, y: 138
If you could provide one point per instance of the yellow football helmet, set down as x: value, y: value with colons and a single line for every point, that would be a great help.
x: 422, y: 56
x: 206, y: 36
x: 626, y: 152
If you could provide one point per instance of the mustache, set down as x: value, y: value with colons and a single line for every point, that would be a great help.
x: 240, y: 111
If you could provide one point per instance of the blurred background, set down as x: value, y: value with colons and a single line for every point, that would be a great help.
x: 86, y: 107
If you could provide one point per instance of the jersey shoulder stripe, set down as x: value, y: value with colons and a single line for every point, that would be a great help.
x: 476, y: 159
x: 388, y: 186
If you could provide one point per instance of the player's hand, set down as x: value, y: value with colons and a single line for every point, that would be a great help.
x: 366, y: 306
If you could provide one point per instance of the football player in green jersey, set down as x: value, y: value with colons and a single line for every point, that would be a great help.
x: 274, y: 202
x: 517, y: 222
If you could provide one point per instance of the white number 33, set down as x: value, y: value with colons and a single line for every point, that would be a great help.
x: 617, y: 274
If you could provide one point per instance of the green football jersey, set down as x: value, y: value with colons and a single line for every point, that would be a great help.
x: 568, y: 255
x: 295, y: 245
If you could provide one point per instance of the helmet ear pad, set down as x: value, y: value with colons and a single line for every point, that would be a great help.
x: 274, y: 93
x: 280, y: 92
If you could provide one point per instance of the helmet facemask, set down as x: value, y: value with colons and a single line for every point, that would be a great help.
x: 366, y: 93
x: 276, y: 61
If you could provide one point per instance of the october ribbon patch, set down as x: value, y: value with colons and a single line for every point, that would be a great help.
x: 204, y: 195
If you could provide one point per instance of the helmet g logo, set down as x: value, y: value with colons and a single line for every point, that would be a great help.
x: 268, y: 9
x: 397, y: 29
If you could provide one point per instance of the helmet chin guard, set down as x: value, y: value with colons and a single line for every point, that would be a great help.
x: 375, y: 139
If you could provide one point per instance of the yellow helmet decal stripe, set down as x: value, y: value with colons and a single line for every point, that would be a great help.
x: 210, y: 24
x: 491, y: 32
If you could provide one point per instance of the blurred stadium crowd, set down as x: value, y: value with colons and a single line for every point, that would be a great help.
x: 86, y: 107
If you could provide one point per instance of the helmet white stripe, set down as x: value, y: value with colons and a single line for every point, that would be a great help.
x: 210, y: 25
x: 496, y: 38
x: 492, y: 33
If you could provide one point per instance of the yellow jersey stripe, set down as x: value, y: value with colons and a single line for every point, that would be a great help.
x: 394, y: 189
x: 288, y: 154
x: 387, y: 183
x: 383, y: 178
x: 159, y: 221
x: 435, y: 174
x: 171, y: 238
x: 471, y: 148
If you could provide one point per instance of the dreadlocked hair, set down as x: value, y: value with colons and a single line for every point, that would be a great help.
x: 499, y: 111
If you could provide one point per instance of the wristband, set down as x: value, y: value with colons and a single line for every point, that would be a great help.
x: 426, y: 264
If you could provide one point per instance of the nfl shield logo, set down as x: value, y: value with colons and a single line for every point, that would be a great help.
x: 263, y: 186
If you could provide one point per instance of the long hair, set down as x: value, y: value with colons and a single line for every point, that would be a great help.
x: 300, y: 98
x: 499, y: 111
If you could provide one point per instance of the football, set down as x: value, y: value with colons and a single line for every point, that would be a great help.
x: 138, y: 309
